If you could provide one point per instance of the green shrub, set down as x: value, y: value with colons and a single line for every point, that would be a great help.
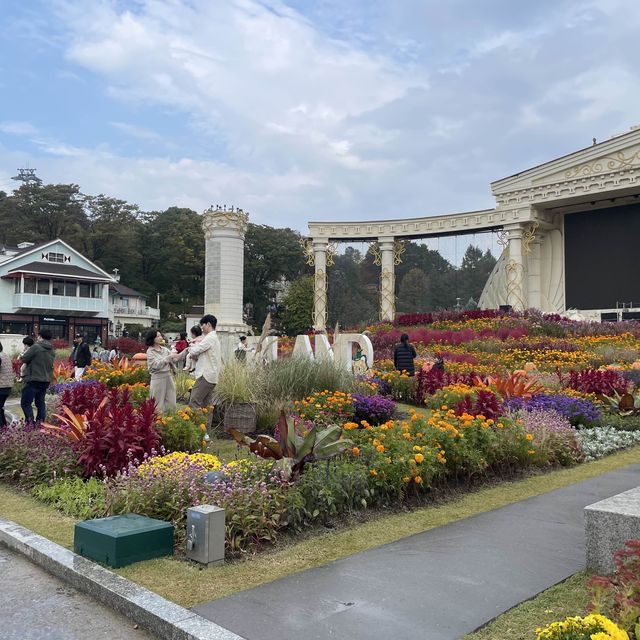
x: 621, y: 423
x: 329, y: 490
x: 74, y: 496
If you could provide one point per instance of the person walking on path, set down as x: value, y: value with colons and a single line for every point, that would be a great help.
x: 208, y: 364
x: 161, y: 364
x: 403, y: 356
x: 81, y: 356
x: 39, y: 360
x: 6, y: 382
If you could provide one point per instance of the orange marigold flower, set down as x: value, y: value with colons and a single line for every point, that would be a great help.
x: 529, y: 437
x: 419, y: 457
x: 380, y: 448
x: 355, y: 451
x: 418, y: 479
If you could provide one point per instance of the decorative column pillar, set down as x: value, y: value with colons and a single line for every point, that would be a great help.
x: 320, y: 285
x: 387, y: 279
x: 224, y: 231
x: 532, y: 241
x: 516, y: 296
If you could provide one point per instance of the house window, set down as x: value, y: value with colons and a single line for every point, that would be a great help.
x: 16, y: 286
x: 55, y: 257
x: 70, y: 289
x: 124, y: 302
x: 96, y: 291
x: 43, y: 287
x: 84, y: 290
x: 58, y: 288
x: 30, y: 285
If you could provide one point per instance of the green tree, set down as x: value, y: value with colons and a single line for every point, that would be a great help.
x: 473, y: 273
x: 296, y: 308
x: 351, y: 301
x: 270, y: 256
x: 171, y: 246
x: 111, y: 240
x: 414, y: 292
x: 47, y: 212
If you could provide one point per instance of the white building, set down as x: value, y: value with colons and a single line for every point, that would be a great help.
x: 52, y: 286
x: 128, y: 306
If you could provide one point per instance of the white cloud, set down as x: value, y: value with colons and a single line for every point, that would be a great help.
x: 18, y: 128
x: 373, y: 109
x: 136, y: 131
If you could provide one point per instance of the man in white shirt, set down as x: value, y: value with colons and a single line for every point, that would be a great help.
x: 208, y: 363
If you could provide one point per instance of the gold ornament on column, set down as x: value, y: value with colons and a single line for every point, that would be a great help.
x: 502, y: 237
x: 529, y: 236
x: 374, y: 250
x: 319, y: 298
x: 387, y: 293
x: 515, y: 276
x: 307, y: 250
x: 332, y: 251
x: 399, y: 247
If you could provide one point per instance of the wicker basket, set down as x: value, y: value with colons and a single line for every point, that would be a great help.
x: 241, y: 417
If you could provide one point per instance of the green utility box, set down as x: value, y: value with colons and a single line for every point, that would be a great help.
x: 121, y: 540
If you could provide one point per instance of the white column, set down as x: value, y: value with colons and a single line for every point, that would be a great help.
x: 320, y: 285
x: 224, y: 267
x: 534, y: 273
x: 516, y: 294
x: 387, y: 280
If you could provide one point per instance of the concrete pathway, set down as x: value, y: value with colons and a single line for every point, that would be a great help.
x: 437, y: 585
x: 36, y: 606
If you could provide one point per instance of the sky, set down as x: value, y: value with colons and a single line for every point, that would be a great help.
x: 305, y: 110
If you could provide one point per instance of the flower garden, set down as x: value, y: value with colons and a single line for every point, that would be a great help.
x: 520, y: 393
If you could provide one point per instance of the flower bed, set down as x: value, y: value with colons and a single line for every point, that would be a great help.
x: 518, y: 391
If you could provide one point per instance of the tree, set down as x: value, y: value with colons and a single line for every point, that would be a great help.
x: 351, y: 302
x: 111, y: 240
x: 296, y: 308
x: 270, y: 255
x: 474, y: 272
x: 47, y: 212
x: 414, y: 292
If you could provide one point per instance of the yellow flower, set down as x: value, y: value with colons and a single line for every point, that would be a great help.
x: 418, y: 479
x: 355, y: 451
x: 529, y: 437
x: 419, y: 457
x: 380, y: 448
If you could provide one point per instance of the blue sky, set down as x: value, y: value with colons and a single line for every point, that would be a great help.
x: 310, y: 110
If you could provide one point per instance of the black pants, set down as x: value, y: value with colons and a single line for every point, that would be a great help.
x: 34, y: 391
x: 4, y: 394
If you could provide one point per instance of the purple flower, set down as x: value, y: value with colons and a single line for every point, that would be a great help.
x: 373, y: 409
x: 577, y: 410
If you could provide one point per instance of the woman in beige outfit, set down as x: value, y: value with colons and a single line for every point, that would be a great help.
x: 161, y: 364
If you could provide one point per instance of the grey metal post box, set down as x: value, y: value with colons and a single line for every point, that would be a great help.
x: 205, y: 534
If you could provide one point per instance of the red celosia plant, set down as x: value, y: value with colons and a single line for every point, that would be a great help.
x: 619, y: 595
x: 116, y: 434
x: 602, y: 382
x: 485, y: 403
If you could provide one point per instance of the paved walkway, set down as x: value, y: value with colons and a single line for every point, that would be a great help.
x: 437, y: 585
x: 36, y: 606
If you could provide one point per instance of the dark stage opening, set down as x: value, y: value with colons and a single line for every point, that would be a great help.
x: 602, y: 265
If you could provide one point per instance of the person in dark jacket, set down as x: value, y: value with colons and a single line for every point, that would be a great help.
x: 81, y: 356
x: 39, y: 373
x: 404, y: 355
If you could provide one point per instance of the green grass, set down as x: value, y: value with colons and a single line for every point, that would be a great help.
x: 569, y: 598
x: 188, y: 585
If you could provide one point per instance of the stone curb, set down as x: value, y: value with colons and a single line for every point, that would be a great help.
x: 165, y: 619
